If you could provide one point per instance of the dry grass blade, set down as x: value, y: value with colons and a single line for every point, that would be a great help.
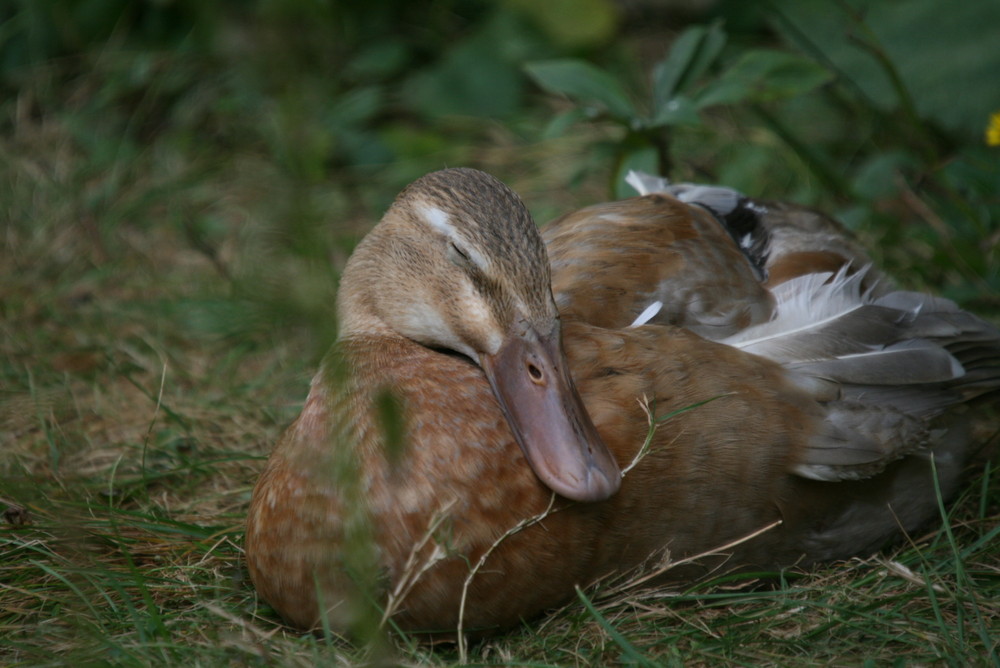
x: 634, y: 580
x: 648, y: 407
x: 517, y: 528
x: 413, y: 570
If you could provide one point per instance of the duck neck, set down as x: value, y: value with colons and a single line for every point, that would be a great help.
x: 357, y: 313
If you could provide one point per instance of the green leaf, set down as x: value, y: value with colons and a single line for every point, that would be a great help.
x: 585, y: 84
x: 764, y: 75
x: 668, y: 73
x: 689, y: 58
x: 677, y: 111
x: 471, y: 80
x: 356, y: 106
x: 479, y: 75
x: 926, y: 49
x: 557, y: 126
x: 878, y: 176
x: 389, y: 410
x: 642, y: 159
x: 572, y: 23
x: 378, y: 61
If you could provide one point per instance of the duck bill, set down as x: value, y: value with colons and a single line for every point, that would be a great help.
x: 530, y: 378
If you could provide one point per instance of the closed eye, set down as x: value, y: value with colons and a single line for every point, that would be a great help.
x: 459, y: 257
x: 470, y: 263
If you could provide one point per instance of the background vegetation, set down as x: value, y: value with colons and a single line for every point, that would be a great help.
x: 181, y: 182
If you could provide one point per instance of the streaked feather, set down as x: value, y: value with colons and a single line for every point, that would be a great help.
x: 721, y: 200
x: 906, y: 362
x: 736, y: 213
x: 813, y: 320
x: 858, y: 440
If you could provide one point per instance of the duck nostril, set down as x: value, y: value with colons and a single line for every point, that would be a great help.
x: 535, y: 373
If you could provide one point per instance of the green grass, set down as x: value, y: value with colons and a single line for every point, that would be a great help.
x: 164, y: 300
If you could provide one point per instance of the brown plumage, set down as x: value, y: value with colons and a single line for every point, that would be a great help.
x: 678, y: 255
x: 443, y: 423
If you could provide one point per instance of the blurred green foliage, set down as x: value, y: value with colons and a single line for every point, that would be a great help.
x: 182, y: 181
x: 874, y: 111
x: 323, y: 85
x: 680, y: 90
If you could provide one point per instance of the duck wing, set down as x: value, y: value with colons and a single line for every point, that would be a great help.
x: 884, y: 378
x: 783, y: 240
x: 612, y: 261
x: 882, y: 366
x: 789, y: 284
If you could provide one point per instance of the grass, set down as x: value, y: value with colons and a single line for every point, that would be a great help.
x: 164, y: 305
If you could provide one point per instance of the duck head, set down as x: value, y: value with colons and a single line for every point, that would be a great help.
x: 458, y: 264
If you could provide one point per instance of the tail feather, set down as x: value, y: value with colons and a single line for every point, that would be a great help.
x: 884, y: 363
x: 883, y: 367
x: 907, y: 362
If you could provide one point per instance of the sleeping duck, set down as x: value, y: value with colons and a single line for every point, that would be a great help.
x: 688, y: 377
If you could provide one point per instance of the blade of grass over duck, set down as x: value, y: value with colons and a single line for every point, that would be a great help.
x: 474, y: 570
x: 649, y: 408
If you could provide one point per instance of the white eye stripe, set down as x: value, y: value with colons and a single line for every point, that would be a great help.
x: 441, y: 222
x: 438, y: 219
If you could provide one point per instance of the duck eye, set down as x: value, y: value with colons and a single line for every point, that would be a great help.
x: 534, y: 372
x: 457, y: 256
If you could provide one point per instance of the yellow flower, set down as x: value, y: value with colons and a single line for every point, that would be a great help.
x: 993, y: 130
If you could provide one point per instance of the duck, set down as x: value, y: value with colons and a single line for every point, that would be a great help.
x: 681, y: 384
